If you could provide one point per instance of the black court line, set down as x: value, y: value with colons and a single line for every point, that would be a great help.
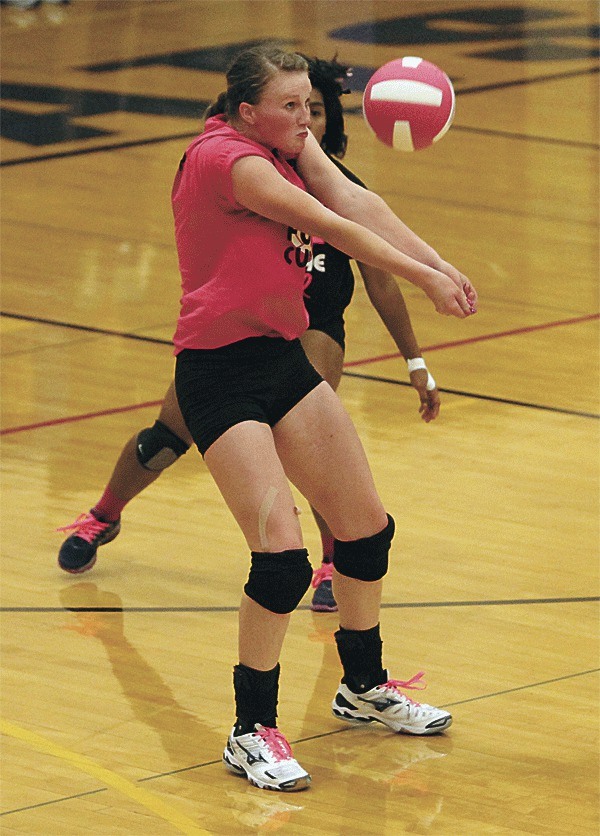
x: 310, y: 739
x: 570, y: 143
x: 54, y: 801
x: 493, y: 398
x: 522, y: 82
x: 501, y: 85
x: 520, y: 688
x: 129, y: 335
x: 407, y: 605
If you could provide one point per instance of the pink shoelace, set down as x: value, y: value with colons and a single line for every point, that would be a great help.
x: 86, y: 526
x: 414, y: 684
x: 323, y: 573
x: 278, y: 745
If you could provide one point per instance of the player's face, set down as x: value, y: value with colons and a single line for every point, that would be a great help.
x: 318, y: 117
x: 282, y: 116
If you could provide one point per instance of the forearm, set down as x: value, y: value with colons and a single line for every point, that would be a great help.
x: 371, y: 211
x: 367, y: 246
x: 387, y: 299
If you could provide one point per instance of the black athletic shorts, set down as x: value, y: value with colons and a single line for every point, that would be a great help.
x: 257, y: 379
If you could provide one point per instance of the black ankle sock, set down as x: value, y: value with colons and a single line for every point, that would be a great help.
x: 256, y: 694
x: 360, y: 654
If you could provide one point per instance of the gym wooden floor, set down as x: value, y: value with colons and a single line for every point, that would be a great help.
x: 117, y: 693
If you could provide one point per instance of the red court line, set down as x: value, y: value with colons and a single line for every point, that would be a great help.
x: 83, y: 417
x: 526, y: 330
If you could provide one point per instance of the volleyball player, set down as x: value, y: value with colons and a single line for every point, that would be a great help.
x: 259, y: 412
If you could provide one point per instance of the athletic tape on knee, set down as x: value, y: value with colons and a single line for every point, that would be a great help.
x: 365, y: 559
x: 158, y: 448
x: 278, y: 580
x: 263, y: 515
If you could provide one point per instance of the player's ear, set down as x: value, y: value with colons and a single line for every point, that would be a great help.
x: 247, y: 113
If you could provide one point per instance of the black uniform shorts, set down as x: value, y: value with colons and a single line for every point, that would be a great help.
x: 257, y: 379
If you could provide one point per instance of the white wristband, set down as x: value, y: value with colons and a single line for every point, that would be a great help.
x: 419, y: 363
x: 415, y: 363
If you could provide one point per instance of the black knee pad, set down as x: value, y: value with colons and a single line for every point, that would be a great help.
x: 157, y: 447
x: 278, y: 580
x: 365, y: 559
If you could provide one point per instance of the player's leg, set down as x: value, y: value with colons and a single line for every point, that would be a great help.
x: 323, y: 456
x: 327, y: 356
x: 332, y: 471
x: 249, y: 475
x: 147, y: 454
x: 140, y: 463
x: 225, y: 395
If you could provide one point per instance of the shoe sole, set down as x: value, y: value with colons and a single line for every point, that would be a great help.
x: 323, y: 608
x: 237, y: 769
x: 233, y: 766
x: 350, y: 718
x: 81, y: 568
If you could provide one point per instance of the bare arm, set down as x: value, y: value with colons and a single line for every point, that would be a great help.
x: 387, y: 299
x: 260, y: 188
x: 327, y: 183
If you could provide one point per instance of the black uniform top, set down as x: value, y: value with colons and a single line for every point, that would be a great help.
x: 332, y: 285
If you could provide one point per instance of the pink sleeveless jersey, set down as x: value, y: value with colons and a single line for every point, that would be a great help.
x: 242, y: 274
